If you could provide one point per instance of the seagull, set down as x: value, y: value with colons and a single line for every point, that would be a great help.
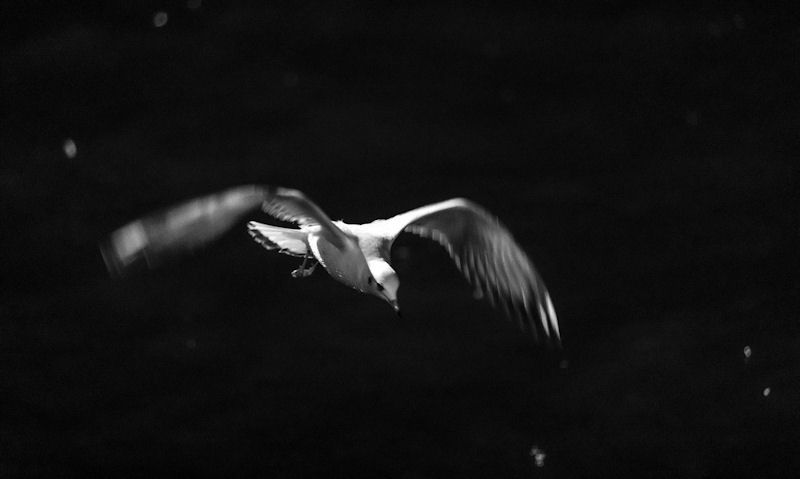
x: 357, y: 255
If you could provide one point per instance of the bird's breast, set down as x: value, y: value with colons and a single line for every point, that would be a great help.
x: 343, y: 264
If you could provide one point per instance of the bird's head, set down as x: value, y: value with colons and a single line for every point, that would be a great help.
x: 383, y: 282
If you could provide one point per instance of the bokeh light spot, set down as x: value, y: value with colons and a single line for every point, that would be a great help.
x: 160, y: 19
x: 766, y: 392
x: 70, y: 148
x: 747, y: 352
x: 538, y: 455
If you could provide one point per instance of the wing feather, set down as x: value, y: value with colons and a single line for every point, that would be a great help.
x: 177, y: 229
x: 197, y: 222
x: 292, y: 205
x: 488, y: 256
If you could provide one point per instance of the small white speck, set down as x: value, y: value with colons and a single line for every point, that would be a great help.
x: 766, y: 392
x: 538, y: 455
x: 160, y: 19
x: 70, y: 148
x: 747, y: 352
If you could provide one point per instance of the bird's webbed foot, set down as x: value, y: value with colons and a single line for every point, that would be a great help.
x: 305, y: 271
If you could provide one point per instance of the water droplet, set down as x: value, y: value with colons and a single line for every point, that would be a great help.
x: 160, y: 19
x: 766, y: 392
x: 70, y: 148
x: 538, y: 455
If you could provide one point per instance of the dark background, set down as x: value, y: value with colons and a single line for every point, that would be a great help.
x: 645, y: 156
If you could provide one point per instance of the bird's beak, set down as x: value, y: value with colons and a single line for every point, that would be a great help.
x: 396, y: 307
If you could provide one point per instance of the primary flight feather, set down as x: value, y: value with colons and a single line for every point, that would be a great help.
x: 357, y: 255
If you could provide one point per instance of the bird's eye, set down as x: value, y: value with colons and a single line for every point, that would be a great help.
x: 380, y: 287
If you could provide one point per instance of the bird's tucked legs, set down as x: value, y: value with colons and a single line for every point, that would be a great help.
x: 303, y: 271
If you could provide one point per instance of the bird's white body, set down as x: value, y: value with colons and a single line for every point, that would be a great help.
x: 347, y: 264
x: 357, y: 255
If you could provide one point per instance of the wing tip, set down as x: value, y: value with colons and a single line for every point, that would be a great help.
x: 542, y: 322
x: 553, y: 320
x: 122, y: 247
x: 111, y: 259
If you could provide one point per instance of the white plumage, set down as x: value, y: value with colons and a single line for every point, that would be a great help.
x: 355, y: 254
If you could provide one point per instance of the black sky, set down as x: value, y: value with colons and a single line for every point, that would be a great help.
x: 644, y: 156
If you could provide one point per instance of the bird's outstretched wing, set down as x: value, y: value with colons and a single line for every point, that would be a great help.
x: 292, y: 205
x: 490, y: 258
x: 197, y: 222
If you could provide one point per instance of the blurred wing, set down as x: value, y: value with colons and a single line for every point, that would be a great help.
x: 490, y: 258
x: 178, y: 229
x: 197, y: 222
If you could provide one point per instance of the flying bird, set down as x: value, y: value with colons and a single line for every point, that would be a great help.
x: 357, y: 255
